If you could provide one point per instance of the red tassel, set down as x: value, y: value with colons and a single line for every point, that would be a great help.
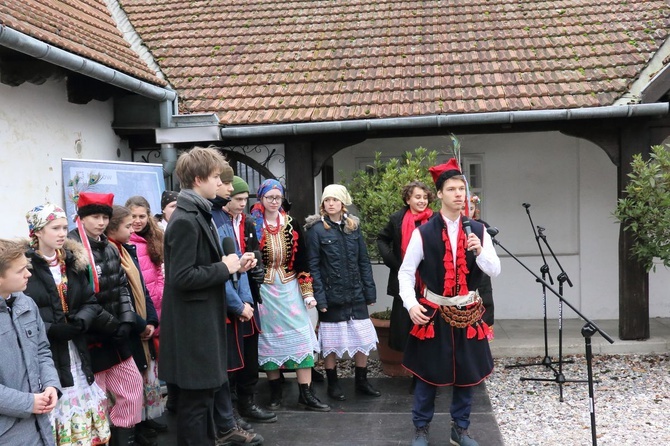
x: 480, y: 332
x: 415, y: 330
x: 422, y: 333
x: 430, y: 332
x: 471, y: 332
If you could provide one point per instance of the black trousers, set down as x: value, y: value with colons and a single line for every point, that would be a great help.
x: 243, y: 381
x: 195, y: 417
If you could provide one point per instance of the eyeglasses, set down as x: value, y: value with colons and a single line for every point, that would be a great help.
x: 274, y: 199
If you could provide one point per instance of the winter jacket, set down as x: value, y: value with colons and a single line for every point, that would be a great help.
x: 82, y: 307
x: 114, y: 297
x: 26, y: 368
x: 341, y: 270
x: 154, y: 279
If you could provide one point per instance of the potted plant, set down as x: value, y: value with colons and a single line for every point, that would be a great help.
x: 390, y: 359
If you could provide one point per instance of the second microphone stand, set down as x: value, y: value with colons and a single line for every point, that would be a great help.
x: 558, y: 378
x: 588, y: 330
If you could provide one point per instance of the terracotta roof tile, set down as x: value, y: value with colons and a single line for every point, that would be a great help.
x: 82, y: 27
x: 259, y: 61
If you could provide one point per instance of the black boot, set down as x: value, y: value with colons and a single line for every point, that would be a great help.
x: 334, y: 389
x: 248, y: 409
x: 145, y: 436
x: 122, y: 436
x: 309, y: 401
x: 275, y: 394
x: 363, y: 385
x: 317, y: 377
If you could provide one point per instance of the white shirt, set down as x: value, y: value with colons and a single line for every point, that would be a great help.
x: 487, y: 260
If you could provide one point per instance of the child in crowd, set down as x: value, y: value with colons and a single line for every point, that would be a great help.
x: 28, y: 379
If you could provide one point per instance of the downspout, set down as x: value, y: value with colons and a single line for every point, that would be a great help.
x: 25, y: 44
x: 444, y: 121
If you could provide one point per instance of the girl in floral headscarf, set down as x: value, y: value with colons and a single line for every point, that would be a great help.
x: 60, y: 287
x: 287, y: 339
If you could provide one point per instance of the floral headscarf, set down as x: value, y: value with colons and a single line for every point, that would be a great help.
x: 40, y: 216
x: 258, y: 210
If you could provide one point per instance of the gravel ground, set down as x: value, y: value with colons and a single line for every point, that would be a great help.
x: 632, y: 400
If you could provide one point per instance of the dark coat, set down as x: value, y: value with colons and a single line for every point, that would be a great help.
x: 114, y: 297
x: 141, y: 323
x: 389, y: 241
x: 81, y: 303
x: 340, y: 269
x: 193, y: 325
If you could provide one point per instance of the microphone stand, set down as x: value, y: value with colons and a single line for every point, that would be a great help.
x: 562, y: 278
x: 588, y: 330
x: 546, y: 361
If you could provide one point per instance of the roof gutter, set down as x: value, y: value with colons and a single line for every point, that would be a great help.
x: 25, y: 44
x: 444, y: 121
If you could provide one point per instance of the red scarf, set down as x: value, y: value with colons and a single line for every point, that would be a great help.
x: 409, y: 225
x: 455, y: 283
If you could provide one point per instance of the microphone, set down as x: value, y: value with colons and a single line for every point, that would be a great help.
x: 526, y: 205
x: 492, y: 231
x: 228, y: 245
x: 467, y: 227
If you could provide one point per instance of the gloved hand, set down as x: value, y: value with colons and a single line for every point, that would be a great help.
x: 63, y: 332
x: 257, y: 274
x: 122, y: 332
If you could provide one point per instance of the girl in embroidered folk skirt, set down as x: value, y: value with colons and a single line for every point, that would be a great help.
x: 287, y: 339
x: 343, y: 287
x: 60, y: 288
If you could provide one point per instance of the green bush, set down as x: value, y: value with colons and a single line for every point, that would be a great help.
x: 377, y: 190
x: 645, y: 210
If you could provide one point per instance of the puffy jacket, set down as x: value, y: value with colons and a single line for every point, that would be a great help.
x: 341, y: 270
x: 82, y: 307
x: 114, y: 297
x: 154, y: 279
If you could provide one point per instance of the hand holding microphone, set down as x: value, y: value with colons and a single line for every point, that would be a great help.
x: 473, y: 242
x: 231, y: 260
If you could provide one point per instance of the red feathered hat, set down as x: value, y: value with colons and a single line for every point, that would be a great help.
x: 90, y: 203
x: 446, y: 170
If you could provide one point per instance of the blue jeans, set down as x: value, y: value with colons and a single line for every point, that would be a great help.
x: 424, y: 404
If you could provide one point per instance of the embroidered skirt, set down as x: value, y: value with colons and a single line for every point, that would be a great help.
x: 351, y: 337
x: 287, y: 338
x: 80, y: 416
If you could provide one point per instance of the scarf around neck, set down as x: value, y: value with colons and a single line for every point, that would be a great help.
x: 198, y: 200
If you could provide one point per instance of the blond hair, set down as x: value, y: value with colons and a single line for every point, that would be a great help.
x: 10, y: 251
x: 349, y: 222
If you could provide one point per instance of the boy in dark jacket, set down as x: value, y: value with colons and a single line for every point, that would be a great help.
x: 193, y: 335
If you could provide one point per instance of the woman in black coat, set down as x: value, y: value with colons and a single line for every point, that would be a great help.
x: 59, y: 286
x: 392, y: 242
x: 343, y: 288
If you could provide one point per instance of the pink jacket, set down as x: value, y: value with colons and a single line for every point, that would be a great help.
x: 152, y: 273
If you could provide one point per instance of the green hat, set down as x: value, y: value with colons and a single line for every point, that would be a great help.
x: 239, y: 186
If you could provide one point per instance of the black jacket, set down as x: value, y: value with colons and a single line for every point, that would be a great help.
x: 341, y: 270
x: 81, y: 303
x: 388, y: 243
x: 114, y: 297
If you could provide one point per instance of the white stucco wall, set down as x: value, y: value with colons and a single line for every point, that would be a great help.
x: 571, y: 187
x: 38, y: 127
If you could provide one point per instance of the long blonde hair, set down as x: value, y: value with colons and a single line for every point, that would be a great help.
x: 349, y: 223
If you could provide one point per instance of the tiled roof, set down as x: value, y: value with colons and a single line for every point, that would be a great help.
x: 267, y: 61
x: 82, y: 27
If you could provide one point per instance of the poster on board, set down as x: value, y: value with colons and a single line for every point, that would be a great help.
x: 123, y: 179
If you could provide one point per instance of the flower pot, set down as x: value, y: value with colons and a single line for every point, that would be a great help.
x: 390, y: 359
